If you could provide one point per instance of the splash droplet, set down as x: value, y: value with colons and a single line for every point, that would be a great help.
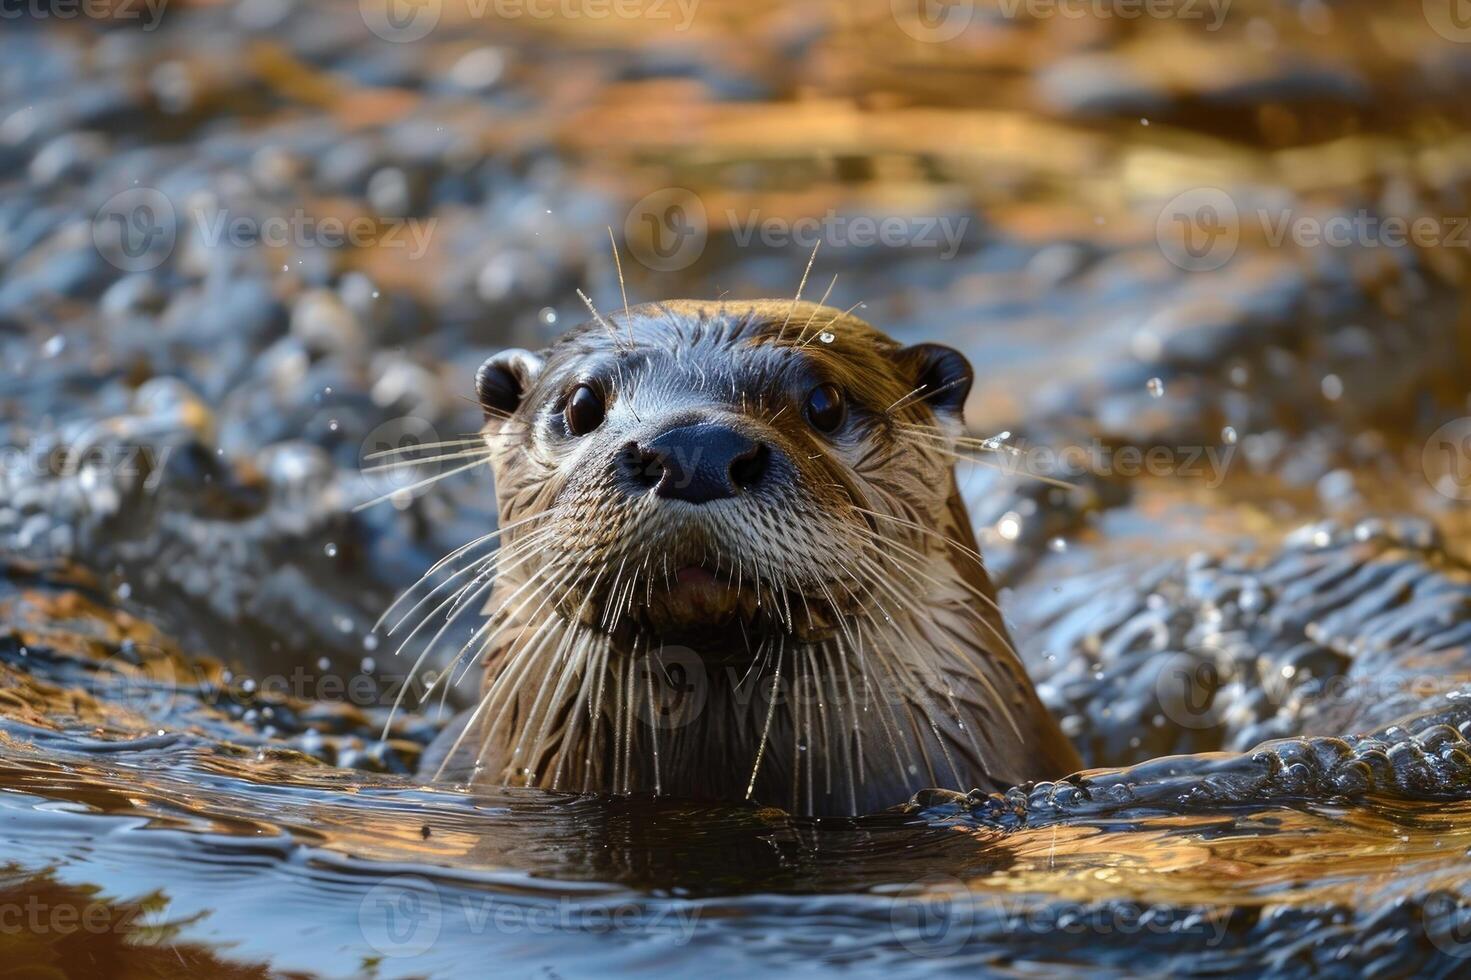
x: 1228, y: 436
x: 330, y: 550
x: 1156, y: 387
x: 826, y: 337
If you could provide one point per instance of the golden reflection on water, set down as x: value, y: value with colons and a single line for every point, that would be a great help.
x: 1271, y: 856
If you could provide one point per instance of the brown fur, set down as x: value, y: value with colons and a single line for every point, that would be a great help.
x: 893, y: 665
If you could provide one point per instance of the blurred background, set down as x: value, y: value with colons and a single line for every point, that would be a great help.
x: 1209, y: 258
x: 275, y: 237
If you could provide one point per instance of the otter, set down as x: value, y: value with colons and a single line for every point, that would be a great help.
x: 734, y: 565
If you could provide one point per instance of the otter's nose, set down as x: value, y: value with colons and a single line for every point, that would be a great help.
x: 700, y: 463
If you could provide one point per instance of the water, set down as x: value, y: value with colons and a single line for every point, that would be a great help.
x: 1243, y: 588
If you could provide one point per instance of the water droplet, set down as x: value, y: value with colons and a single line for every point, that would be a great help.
x: 826, y: 337
x: 1332, y: 387
x: 332, y: 425
x: 1228, y: 436
x: 1058, y: 545
x: 1010, y: 526
x: 547, y: 315
x: 330, y: 550
x: 369, y: 665
x: 370, y: 642
x: 1156, y: 387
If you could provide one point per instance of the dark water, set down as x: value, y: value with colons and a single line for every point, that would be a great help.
x: 1251, y: 609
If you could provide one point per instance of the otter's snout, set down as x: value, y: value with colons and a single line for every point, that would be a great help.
x: 700, y: 463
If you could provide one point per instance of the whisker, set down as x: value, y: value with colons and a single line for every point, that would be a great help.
x: 622, y: 288
x: 800, y: 286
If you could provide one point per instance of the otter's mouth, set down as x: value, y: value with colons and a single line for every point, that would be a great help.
x: 713, y: 611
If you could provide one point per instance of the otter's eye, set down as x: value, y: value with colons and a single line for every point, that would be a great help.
x: 826, y: 409
x: 585, y: 410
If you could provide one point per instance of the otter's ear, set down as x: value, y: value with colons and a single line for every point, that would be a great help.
x: 945, y: 374
x: 504, y: 379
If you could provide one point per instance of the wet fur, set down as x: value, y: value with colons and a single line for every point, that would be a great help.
x: 896, y: 669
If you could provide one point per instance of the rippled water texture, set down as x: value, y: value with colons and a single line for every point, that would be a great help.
x: 1249, y: 608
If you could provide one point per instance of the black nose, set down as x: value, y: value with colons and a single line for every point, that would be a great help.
x: 700, y: 463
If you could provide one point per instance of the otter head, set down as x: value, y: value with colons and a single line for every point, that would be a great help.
x: 715, y: 475
x: 765, y: 488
